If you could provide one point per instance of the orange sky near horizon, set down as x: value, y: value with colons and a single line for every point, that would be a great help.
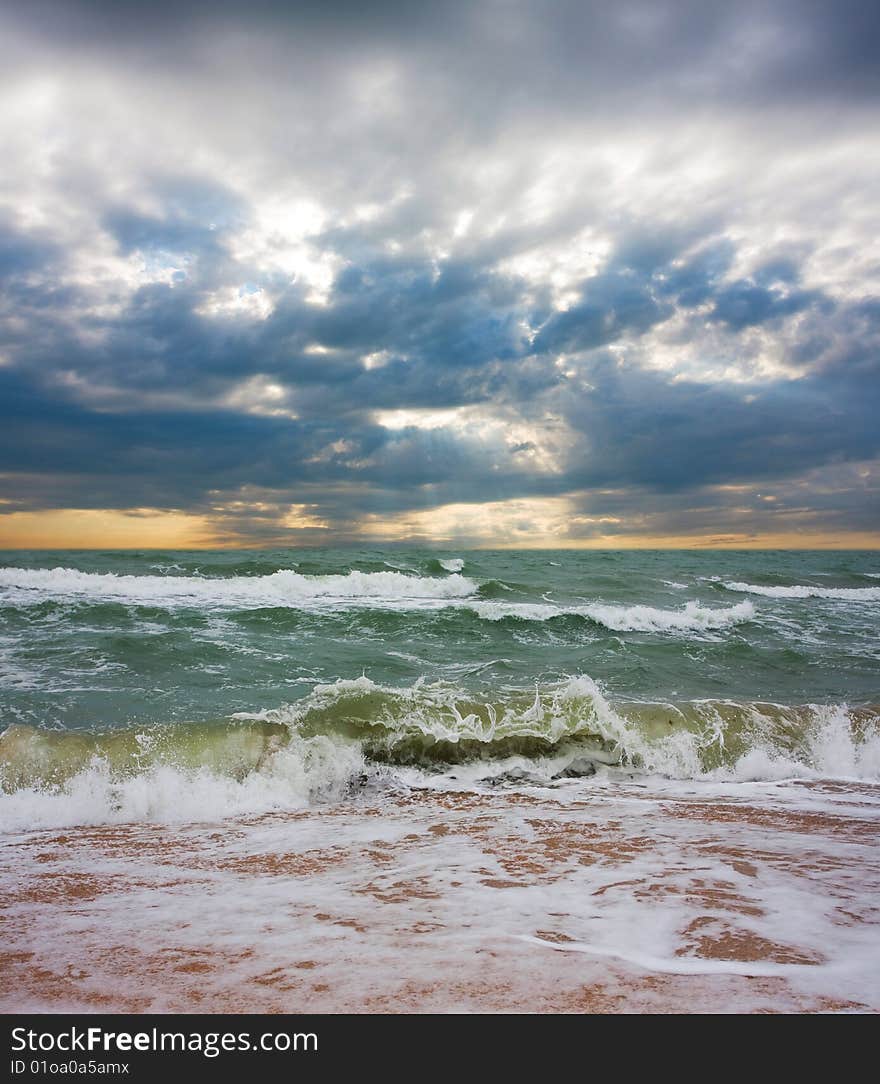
x: 63, y: 529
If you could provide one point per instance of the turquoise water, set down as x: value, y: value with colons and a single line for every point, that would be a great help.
x: 409, y: 655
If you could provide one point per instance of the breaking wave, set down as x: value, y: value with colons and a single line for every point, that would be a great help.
x: 283, y: 588
x: 691, y: 618
x: 844, y: 594
x: 454, y: 564
x: 393, y: 590
x: 353, y: 734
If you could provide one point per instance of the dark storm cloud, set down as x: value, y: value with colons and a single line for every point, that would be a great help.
x: 21, y: 252
x: 635, y: 427
x: 790, y: 47
x: 649, y: 431
x: 170, y: 338
x: 610, y: 306
x: 744, y: 304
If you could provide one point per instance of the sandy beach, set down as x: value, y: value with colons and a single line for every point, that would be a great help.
x: 635, y: 898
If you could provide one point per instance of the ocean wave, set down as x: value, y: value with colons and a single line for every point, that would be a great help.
x: 453, y: 564
x: 103, y: 791
x: 400, y: 568
x: 444, y: 564
x: 393, y: 590
x: 441, y: 721
x: 834, y: 744
x: 284, y: 588
x: 491, y: 589
x: 692, y: 618
x: 844, y: 594
x: 351, y: 733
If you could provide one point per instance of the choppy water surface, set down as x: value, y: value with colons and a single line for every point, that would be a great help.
x: 188, y: 685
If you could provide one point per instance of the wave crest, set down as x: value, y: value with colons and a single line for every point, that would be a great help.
x: 283, y: 588
x: 693, y: 617
x: 453, y: 564
x: 352, y: 732
x: 844, y: 594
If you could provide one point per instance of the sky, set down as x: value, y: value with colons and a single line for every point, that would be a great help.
x: 496, y: 273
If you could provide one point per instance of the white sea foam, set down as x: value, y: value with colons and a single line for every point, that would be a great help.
x: 692, y: 618
x: 673, y: 965
x: 525, y: 908
x: 285, y: 588
x: 306, y: 770
x: 373, y: 590
x: 831, y: 751
x: 844, y: 594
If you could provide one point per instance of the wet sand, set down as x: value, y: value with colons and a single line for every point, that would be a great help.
x: 622, y: 898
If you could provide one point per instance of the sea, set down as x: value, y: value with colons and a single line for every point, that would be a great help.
x: 647, y: 765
